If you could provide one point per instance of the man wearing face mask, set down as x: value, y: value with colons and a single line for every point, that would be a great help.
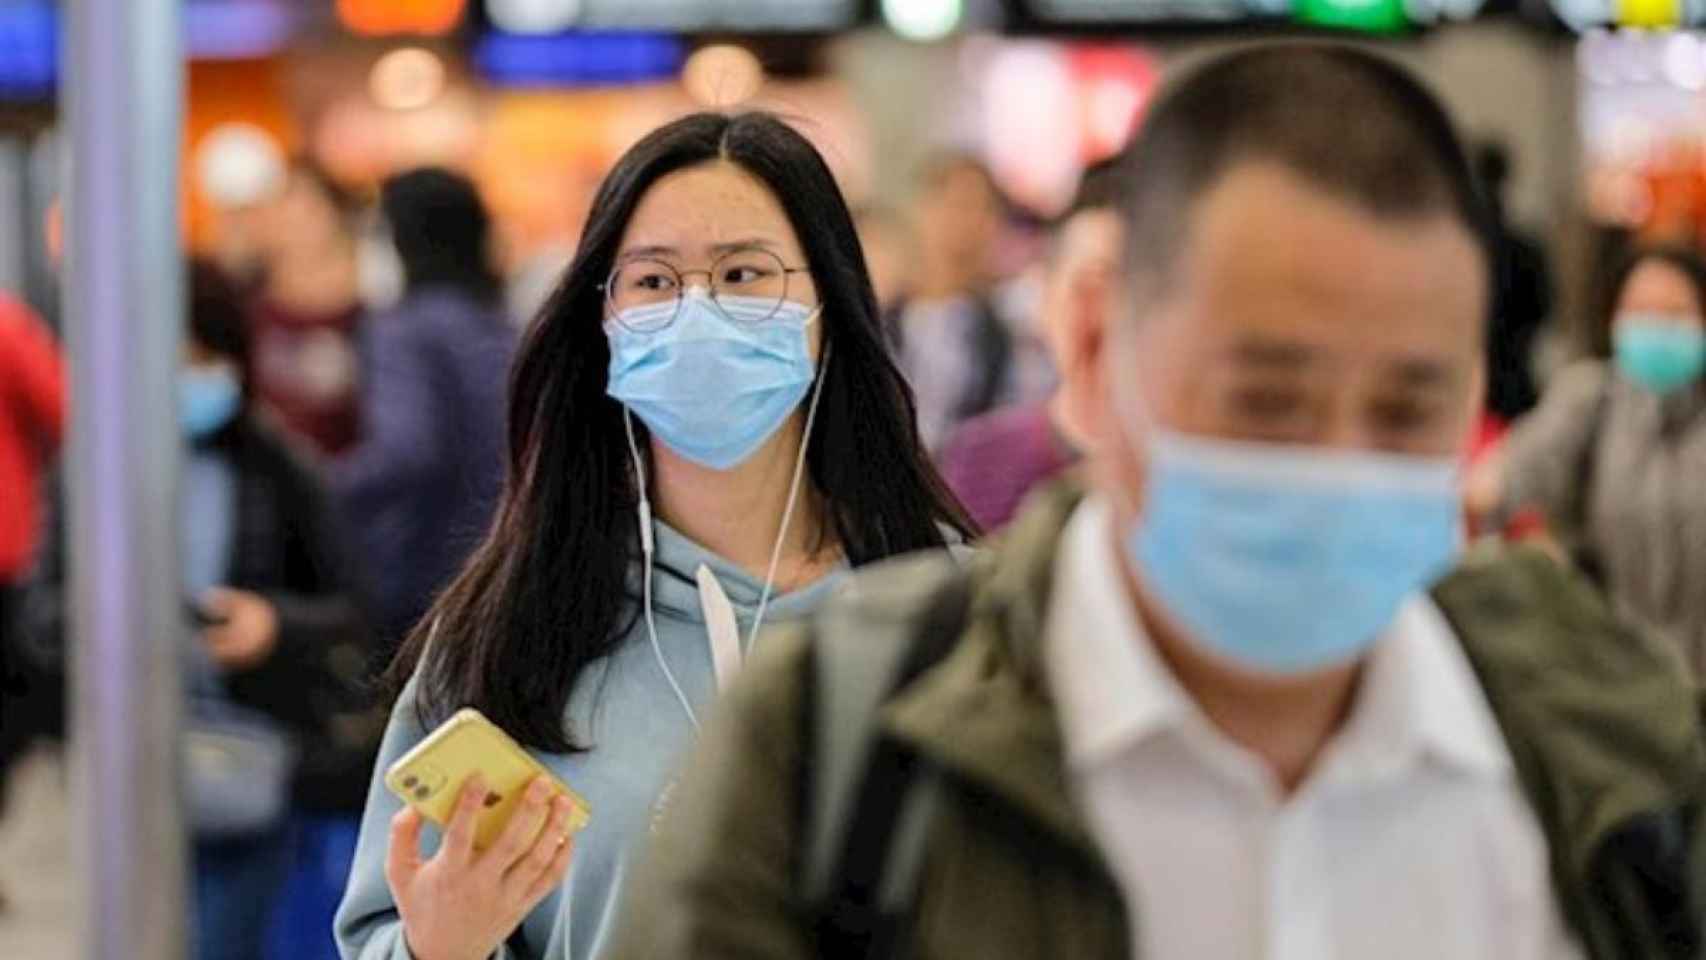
x: 1241, y: 697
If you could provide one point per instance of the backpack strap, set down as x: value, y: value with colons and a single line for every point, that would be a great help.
x: 1602, y: 723
x: 869, y: 799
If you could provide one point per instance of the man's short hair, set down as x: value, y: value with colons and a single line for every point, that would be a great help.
x: 1349, y: 122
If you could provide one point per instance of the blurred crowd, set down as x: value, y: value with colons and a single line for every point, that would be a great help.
x: 387, y: 471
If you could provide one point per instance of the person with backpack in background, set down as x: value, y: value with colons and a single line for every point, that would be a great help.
x: 1612, y: 465
x: 1241, y: 697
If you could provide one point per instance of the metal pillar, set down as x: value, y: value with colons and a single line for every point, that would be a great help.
x: 122, y: 86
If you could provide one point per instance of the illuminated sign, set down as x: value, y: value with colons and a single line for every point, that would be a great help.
x: 29, y: 50
x: 1378, y: 16
x: 1112, y: 12
x: 547, y: 16
x: 213, y: 30
x: 578, y: 59
x: 388, y: 17
x: 1583, y: 15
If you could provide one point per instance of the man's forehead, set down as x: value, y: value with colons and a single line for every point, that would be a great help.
x: 1269, y: 256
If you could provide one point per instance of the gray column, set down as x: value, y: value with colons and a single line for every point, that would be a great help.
x: 122, y: 84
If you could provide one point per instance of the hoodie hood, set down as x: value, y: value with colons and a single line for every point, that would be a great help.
x: 675, y: 587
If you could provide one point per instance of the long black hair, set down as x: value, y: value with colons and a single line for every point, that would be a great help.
x: 441, y: 231
x: 547, y: 594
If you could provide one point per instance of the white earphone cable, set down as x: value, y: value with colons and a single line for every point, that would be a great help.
x: 648, y: 547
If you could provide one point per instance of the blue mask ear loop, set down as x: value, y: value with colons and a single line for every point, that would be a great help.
x: 648, y: 545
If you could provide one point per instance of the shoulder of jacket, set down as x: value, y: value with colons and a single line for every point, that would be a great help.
x: 896, y: 591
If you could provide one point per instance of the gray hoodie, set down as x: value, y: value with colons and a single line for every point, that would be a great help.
x: 626, y: 711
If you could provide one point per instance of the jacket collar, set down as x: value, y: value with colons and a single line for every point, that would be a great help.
x: 985, y: 712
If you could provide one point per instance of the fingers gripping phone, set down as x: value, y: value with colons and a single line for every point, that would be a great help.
x: 431, y: 776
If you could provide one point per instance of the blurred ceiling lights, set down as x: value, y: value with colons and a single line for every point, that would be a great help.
x: 1643, y: 57
x: 722, y: 75
x: 1685, y: 61
x: 407, y: 79
x: 533, y: 16
x: 923, y: 20
x: 381, y: 18
x: 239, y: 165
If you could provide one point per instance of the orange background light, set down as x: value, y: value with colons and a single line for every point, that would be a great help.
x: 388, y: 17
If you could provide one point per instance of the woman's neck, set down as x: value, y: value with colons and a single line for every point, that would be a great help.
x: 737, y: 514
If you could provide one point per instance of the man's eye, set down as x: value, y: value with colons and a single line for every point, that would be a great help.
x: 1401, y: 416
x: 1269, y: 403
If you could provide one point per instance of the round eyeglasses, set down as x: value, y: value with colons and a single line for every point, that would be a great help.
x: 644, y: 295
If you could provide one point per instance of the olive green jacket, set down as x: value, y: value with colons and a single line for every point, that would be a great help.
x: 1601, y: 722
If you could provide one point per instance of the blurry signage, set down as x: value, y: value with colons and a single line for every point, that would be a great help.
x: 1583, y: 15
x: 544, y: 16
x: 213, y: 30
x: 29, y: 52
x: 1374, y: 16
x: 387, y: 17
x: 1368, y: 16
x: 1111, y: 12
x: 237, y: 29
x: 578, y: 59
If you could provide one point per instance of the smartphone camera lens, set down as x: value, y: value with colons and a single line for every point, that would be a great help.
x: 411, y: 783
x: 421, y: 793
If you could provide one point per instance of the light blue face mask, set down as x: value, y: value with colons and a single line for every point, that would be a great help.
x: 1663, y: 354
x: 1287, y: 560
x: 209, y: 398
x: 720, y: 380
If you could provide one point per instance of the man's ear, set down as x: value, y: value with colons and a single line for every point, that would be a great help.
x: 1083, y: 343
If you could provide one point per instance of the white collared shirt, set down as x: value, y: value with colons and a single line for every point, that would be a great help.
x: 1411, y: 838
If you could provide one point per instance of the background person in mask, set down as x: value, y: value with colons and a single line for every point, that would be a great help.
x: 706, y: 431
x: 1614, y: 458
x: 421, y: 487
x: 284, y: 634
x: 1207, y: 709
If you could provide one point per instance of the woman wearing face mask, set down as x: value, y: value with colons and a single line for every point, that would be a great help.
x: 706, y: 431
x: 1614, y: 456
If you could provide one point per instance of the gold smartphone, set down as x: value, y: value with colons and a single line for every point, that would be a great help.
x: 431, y: 776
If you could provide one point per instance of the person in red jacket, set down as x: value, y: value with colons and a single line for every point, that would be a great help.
x: 32, y: 423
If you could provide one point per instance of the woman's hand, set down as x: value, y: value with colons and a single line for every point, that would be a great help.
x: 463, y: 904
x: 245, y: 630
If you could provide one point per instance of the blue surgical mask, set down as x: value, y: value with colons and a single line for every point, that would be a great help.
x: 1661, y: 353
x: 1286, y: 560
x: 720, y: 380
x: 209, y: 398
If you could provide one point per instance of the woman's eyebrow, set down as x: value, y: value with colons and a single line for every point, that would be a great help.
x: 747, y: 243
x: 651, y: 251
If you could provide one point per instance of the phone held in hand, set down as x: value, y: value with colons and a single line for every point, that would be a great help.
x: 431, y: 776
